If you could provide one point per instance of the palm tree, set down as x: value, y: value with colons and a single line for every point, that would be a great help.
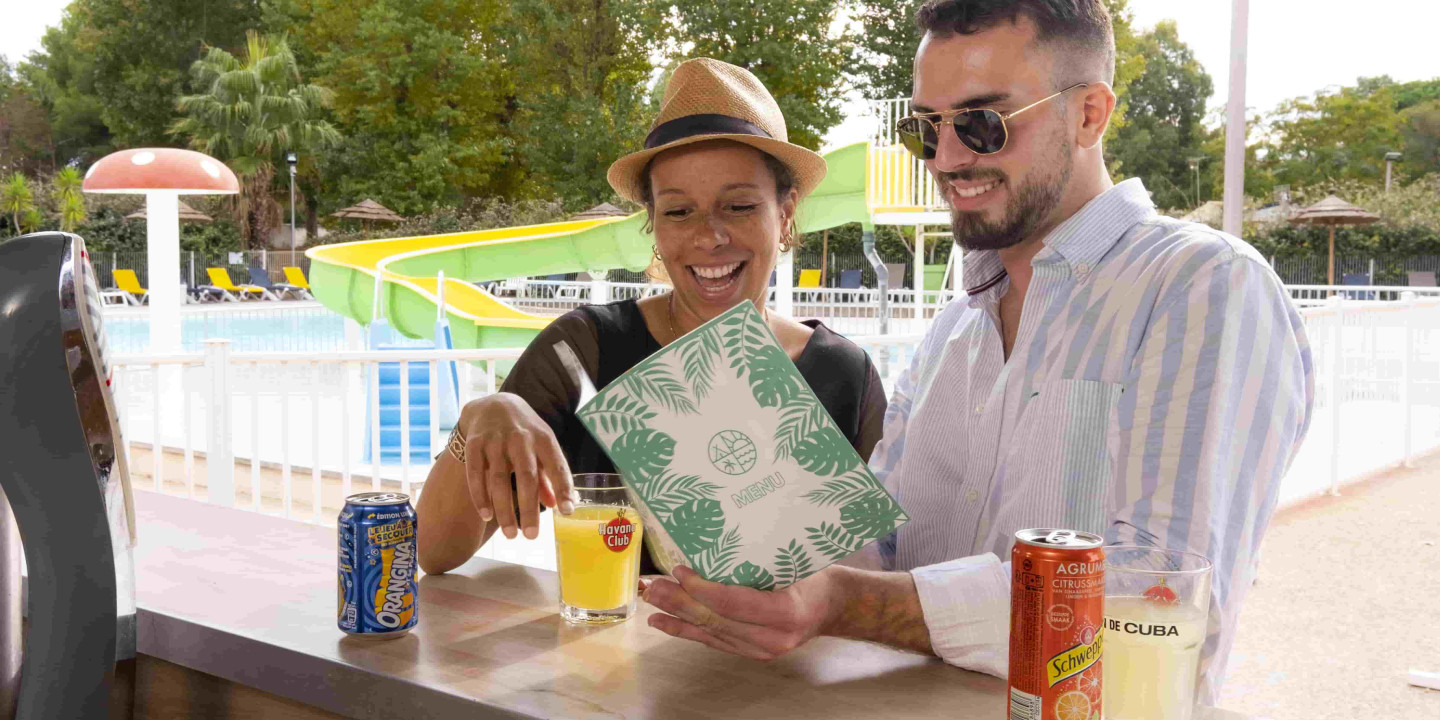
x: 17, y: 199
x: 248, y: 113
x: 68, y: 197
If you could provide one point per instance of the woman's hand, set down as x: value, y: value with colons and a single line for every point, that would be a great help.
x: 504, y: 435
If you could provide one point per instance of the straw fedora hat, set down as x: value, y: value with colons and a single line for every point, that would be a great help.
x: 707, y: 99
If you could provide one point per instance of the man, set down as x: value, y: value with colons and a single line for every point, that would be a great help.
x: 1111, y: 370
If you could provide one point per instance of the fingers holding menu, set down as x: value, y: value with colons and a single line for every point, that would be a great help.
x: 740, y: 620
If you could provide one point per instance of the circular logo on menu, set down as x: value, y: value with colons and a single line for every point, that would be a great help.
x: 617, y: 533
x: 732, y: 452
x: 1060, y: 617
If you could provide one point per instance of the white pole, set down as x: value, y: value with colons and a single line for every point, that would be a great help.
x: 785, y: 284
x: 162, y: 246
x: 1235, y: 131
x: 1337, y: 372
x: 919, y: 283
x: 599, y: 287
x: 1406, y: 361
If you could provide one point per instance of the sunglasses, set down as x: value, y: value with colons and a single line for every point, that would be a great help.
x: 983, y: 131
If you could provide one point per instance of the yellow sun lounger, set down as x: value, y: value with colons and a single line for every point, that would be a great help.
x: 295, y: 283
x: 129, y: 287
x: 220, y: 280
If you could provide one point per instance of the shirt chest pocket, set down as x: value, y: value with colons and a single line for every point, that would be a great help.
x: 1063, y: 447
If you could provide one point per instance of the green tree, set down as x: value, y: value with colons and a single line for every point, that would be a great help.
x: 1335, y: 135
x: 580, y: 69
x: 1421, y: 128
x: 113, y: 68
x: 249, y: 112
x: 1166, y: 110
x: 17, y: 199
x: 421, y: 98
x: 68, y: 199
x: 788, y: 44
x: 887, y: 45
x: 24, y: 125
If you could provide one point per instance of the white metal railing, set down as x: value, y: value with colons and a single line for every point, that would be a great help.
x: 279, y: 412
x: 1311, y: 295
x: 1377, y: 383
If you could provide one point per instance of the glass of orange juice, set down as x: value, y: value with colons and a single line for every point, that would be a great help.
x: 597, y: 549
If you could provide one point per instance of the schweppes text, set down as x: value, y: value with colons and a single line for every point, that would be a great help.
x: 1074, y: 661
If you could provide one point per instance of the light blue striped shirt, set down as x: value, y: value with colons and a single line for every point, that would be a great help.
x: 1159, y: 386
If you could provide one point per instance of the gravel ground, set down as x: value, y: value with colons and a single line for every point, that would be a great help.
x: 1347, y: 603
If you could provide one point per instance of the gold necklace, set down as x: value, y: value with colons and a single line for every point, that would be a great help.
x: 670, y: 310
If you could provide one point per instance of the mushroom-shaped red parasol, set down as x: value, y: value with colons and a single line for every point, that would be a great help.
x: 162, y: 175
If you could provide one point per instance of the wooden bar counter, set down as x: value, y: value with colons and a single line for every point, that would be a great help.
x: 237, y: 620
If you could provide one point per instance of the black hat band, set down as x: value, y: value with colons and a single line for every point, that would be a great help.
x: 692, y: 125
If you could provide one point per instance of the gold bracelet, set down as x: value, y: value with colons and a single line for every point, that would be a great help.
x: 457, y: 445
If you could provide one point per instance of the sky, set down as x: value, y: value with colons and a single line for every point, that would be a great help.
x: 1296, y: 47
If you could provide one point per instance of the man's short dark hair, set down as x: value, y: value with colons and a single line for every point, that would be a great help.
x: 1083, y: 26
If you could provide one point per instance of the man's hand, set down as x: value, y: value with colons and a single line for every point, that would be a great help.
x: 740, y: 620
x: 880, y: 607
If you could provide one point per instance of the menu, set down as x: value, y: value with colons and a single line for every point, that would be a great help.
x: 733, y: 462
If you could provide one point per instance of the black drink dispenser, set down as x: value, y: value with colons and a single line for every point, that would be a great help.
x: 63, y: 471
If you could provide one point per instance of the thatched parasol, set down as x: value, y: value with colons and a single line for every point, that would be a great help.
x: 603, y: 210
x: 186, y: 213
x: 368, y: 210
x: 1333, y: 211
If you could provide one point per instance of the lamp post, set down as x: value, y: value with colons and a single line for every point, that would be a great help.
x: 1390, y: 159
x: 1195, y: 167
x: 292, y: 161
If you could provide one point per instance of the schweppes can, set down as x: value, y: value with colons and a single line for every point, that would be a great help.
x: 378, y: 596
x: 1057, y: 632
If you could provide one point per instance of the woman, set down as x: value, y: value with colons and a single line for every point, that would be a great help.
x: 720, y: 185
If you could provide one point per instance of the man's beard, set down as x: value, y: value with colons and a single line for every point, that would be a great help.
x: 1030, y: 206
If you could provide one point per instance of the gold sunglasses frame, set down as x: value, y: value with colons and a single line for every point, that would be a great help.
x: 947, y: 117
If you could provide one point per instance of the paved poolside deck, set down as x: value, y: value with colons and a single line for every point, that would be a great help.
x: 1345, y: 605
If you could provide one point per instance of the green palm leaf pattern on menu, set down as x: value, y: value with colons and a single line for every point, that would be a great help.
x: 826, y: 452
x: 714, y: 563
x: 644, y: 453
x: 799, y: 418
x: 616, y: 413
x: 772, y: 376
x: 657, y: 384
x: 751, y: 575
x: 745, y: 333
x: 699, y: 355
x: 669, y: 491
x: 792, y: 563
x: 696, y: 525
x: 842, y: 490
x: 833, y: 541
x: 870, y: 517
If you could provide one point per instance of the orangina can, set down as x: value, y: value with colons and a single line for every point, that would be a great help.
x: 1057, y: 613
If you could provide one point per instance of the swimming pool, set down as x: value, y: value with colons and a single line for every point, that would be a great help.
x: 289, y: 328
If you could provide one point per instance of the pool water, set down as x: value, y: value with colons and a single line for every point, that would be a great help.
x: 300, y: 330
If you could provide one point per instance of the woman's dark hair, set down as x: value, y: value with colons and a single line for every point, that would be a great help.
x: 1082, y: 25
x: 784, y: 183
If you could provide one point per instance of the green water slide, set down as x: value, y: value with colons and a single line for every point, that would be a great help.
x: 406, y: 271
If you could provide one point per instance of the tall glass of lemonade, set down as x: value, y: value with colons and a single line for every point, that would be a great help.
x: 597, y: 549
x: 1156, y: 604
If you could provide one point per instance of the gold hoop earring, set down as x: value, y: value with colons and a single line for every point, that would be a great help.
x: 658, y: 259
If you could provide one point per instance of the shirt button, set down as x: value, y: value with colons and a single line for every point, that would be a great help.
x: 979, y: 409
x: 972, y: 496
x: 1082, y: 270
